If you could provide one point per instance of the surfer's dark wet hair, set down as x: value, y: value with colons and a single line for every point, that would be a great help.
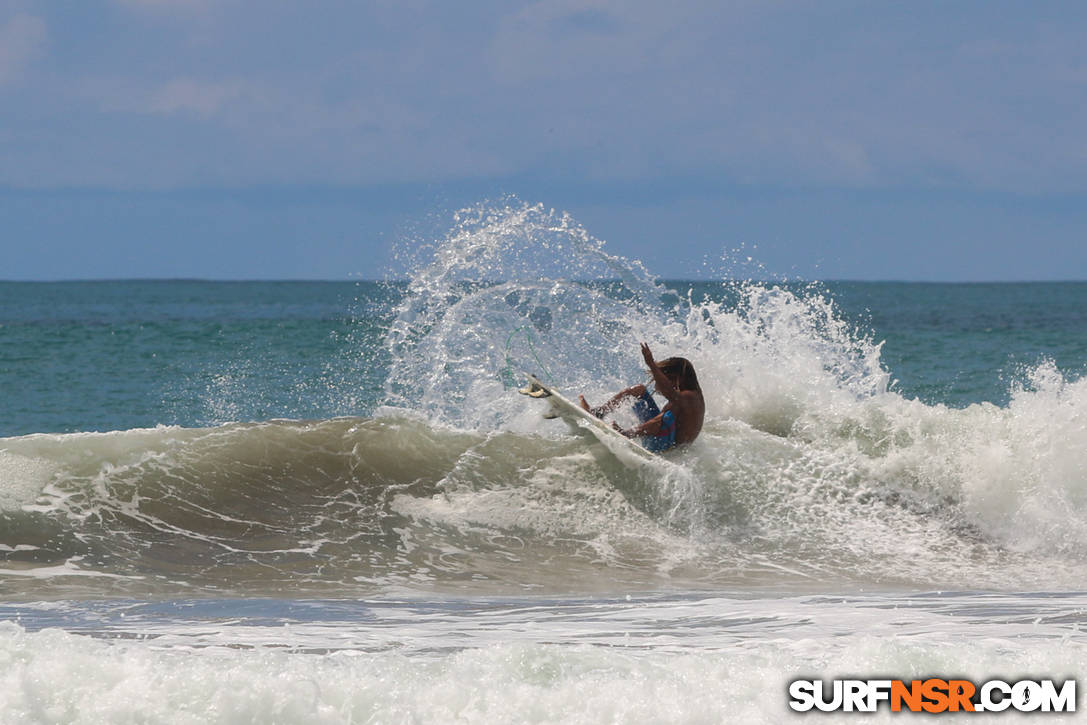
x: 680, y: 367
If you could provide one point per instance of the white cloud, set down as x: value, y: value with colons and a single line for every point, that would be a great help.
x: 21, y: 39
x: 184, y: 5
x: 570, y: 39
x: 185, y: 95
x: 556, y: 39
x: 181, y: 96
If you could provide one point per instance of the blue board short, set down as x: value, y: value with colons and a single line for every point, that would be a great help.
x: 646, y: 409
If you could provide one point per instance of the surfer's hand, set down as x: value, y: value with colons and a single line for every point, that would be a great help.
x: 616, y: 427
x: 647, y: 355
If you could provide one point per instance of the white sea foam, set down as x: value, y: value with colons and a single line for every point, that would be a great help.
x: 22, y: 478
x: 673, y: 660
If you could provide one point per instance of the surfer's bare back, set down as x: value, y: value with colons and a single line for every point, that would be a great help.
x: 681, y: 420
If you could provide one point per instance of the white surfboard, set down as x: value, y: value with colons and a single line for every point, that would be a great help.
x: 580, y: 419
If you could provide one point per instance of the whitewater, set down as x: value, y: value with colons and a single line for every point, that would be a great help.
x: 276, y: 502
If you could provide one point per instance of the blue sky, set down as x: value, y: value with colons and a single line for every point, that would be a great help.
x: 828, y: 139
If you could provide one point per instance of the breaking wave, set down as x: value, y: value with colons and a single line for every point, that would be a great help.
x: 812, y: 470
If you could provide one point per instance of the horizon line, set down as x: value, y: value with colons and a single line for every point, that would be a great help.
x: 402, y: 280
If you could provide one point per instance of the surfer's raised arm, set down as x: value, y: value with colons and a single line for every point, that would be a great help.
x: 664, y: 385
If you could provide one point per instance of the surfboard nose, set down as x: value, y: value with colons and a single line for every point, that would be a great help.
x: 534, y: 389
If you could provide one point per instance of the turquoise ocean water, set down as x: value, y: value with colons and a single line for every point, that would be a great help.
x: 325, y: 502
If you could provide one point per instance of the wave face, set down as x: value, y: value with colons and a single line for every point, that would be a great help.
x: 813, y: 472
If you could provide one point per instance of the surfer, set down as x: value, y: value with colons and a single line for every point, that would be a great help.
x: 681, y: 420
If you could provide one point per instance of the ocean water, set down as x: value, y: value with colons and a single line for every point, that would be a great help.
x: 284, y: 502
